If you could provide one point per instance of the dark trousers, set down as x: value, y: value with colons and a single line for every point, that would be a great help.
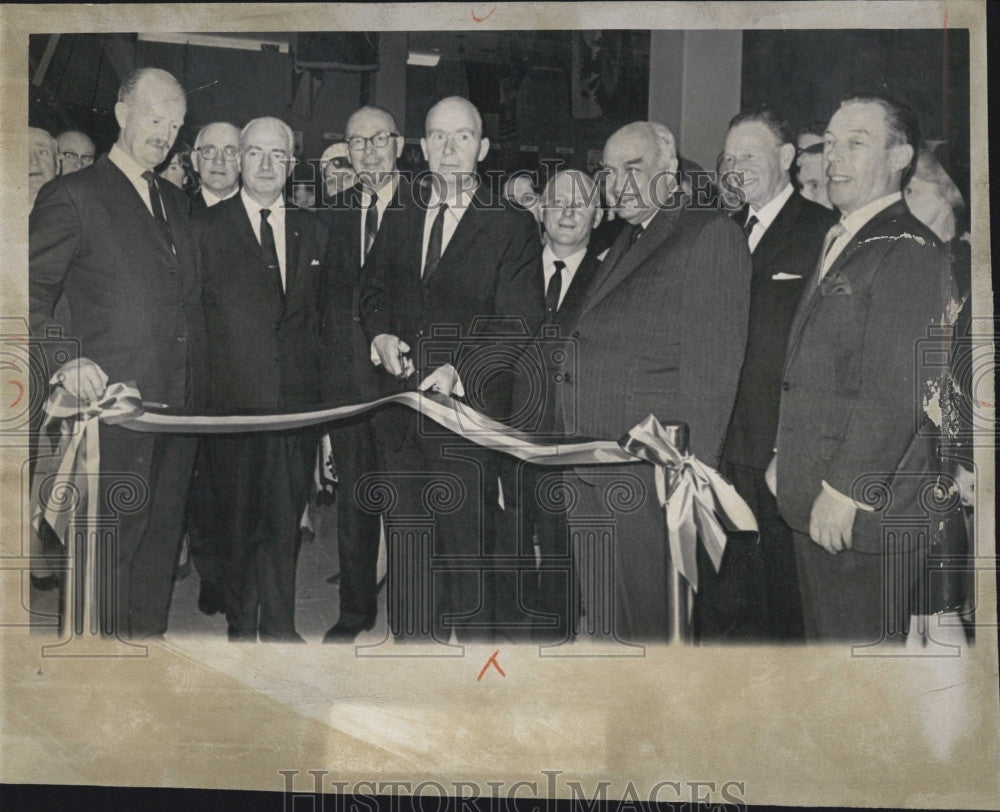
x: 261, y: 484
x: 205, y: 534
x: 441, y: 497
x: 353, y: 443
x: 755, y: 595
x: 144, y: 483
x: 533, y: 598
x: 860, y: 597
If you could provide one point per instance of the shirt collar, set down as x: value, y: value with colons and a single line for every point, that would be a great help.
x: 211, y: 198
x: 766, y: 214
x: 127, y: 164
x: 856, y: 219
x: 253, y: 207
x: 572, y: 261
x: 383, y: 195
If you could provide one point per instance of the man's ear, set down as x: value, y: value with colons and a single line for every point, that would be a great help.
x: 400, y: 143
x: 484, y: 147
x: 423, y: 148
x: 787, y: 155
x: 900, y: 156
x: 598, y: 216
x: 121, y: 114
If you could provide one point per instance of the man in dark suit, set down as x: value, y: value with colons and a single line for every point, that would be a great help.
x: 263, y: 267
x: 117, y: 243
x: 428, y: 283
x: 216, y: 159
x: 849, y: 464
x: 354, y: 219
x: 756, y: 593
x: 662, y: 331
x: 570, y: 210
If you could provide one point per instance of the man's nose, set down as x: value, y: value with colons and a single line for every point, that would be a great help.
x: 33, y: 162
x: 219, y: 159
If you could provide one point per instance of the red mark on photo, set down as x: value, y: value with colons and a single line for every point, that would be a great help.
x: 20, y: 393
x: 479, y: 19
x: 491, y: 661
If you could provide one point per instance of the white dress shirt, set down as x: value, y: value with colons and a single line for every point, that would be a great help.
x: 277, y: 221
x: 572, y: 265
x: 383, y: 197
x: 766, y: 215
x: 133, y: 171
x: 853, y: 223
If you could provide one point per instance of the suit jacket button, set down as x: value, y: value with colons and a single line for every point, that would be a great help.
x: 171, y: 269
x: 576, y: 334
x: 357, y: 318
x: 785, y: 386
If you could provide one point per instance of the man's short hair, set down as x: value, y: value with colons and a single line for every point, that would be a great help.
x: 901, y: 122
x: 770, y: 118
x: 581, y: 181
x: 133, y: 80
x: 201, y: 132
x: 289, y: 133
x: 371, y: 108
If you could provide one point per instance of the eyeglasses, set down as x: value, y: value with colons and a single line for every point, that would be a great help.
x: 209, y: 152
x: 86, y: 160
x: 357, y: 143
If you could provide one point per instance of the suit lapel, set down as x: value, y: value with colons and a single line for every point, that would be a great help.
x: 129, y: 202
x: 774, y: 239
x: 465, y: 233
x: 617, y: 267
x: 293, y: 237
x: 578, y: 289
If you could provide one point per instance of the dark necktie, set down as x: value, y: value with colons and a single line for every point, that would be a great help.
x: 159, y: 213
x: 553, y: 290
x: 634, y: 235
x: 269, y: 249
x: 371, y: 224
x: 749, y: 225
x: 434, y: 243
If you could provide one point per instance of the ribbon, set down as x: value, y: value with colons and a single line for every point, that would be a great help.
x: 697, y: 505
x: 698, y: 502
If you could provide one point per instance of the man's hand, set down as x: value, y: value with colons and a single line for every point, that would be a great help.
x: 445, y: 380
x: 83, y: 378
x: 771, y: 476
x: 391, y: 352
x: 831, y: 522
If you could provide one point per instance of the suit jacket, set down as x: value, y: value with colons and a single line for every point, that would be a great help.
x: 491, y: 268
x: 663, y: 330
x: 196, y: 202
x: 789, y: 248
x: 347, y: 374
x: 134, y: 304
x: 263, y: 344
x: 853, y: 383
x: 533, y: 407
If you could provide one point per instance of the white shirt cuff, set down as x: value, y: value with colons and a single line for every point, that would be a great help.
x: 843, y: 497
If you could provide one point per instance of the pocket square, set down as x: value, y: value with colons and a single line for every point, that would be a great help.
x: 782, y: 276
x: 835, y: 284
x: 314, y: 262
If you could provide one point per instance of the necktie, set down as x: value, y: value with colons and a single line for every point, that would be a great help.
x: 828, y: 241
x: 159, y: 213
x: 434, y: 243
x: 636, y: 233
x: 749, y: 225
x: 553, y: 290
x: 371, y: 224
x: 269, y: 249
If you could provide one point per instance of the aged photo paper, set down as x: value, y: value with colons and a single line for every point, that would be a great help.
x: 811, y: 725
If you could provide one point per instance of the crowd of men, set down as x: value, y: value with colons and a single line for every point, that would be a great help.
x: 782, y: 331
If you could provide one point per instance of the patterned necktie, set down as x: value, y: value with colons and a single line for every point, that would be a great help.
x: 831, y: 237
x: 269, y: 249
x: 434, y: 243
x: 749, y: 225
x: 553, y: 291
x: 371, y: 224
x: 159, y: 213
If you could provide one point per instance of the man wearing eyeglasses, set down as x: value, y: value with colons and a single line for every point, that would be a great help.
x: 76, y: 151
x: 262, y: 267
x: 355, y: 218
x: 215, y: 158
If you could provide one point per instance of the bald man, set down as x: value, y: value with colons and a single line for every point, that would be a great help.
x: 117, y: 243
x: 42, y: 161
x: 76, y: 151
x: 216, y: 159
x: 662, y: 330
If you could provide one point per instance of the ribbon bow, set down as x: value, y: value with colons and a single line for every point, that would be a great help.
x: 698, y: 502
x: 77, y: 454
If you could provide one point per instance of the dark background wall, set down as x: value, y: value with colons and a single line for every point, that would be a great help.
x: 806, y: 73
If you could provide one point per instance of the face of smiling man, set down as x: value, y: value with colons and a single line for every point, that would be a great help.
x: 221, y: 172
x: 569, y: 212
x: 861, y: 163
x: 757, y: 154
x: 150, y: 118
